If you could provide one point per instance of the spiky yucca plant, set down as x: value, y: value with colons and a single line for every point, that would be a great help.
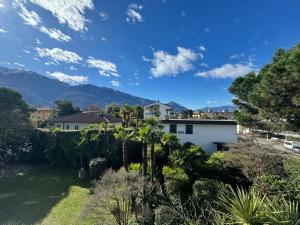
x: 252, y: 208
x: 283, y: 212
x: 242, y: 207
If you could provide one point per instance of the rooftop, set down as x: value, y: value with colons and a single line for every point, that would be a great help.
x: 88, y: 118
x: 196, y: 121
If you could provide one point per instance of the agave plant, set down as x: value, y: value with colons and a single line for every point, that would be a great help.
x: 243, y: 207
x: 283, y: 212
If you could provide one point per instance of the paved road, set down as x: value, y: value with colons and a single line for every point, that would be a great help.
x: 278, y: 145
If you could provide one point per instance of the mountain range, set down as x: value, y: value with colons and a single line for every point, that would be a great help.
x: 229, y: 108
x: 39, y: 90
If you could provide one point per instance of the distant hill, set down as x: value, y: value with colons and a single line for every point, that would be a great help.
x: 38, y: 90
x: 229, y: 108
x: 177, y: 107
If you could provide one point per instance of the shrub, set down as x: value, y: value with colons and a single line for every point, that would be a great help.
x: 216, y: 160
x: 96, y: 167
x: 207, y: 190
x: 191, y: 160
x: 166, y: 215
x: 177, y: 183
x: 135, y: 167
x: 114, y: 198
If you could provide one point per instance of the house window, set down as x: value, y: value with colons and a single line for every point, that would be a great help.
x: 67, y: 127
x: 189, y: 129
x: 76, y: 127
x: 58, y: 125
x: 173, y: 128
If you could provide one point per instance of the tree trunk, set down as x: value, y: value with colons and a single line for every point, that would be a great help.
x: 152, y: 162
x: 125, y: 155
x: 144, y: 202
x: 144, y: 156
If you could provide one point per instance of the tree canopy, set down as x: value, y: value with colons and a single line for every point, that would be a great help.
x: 14, y: 124
x: 64, y: 108
x: 271, y: 98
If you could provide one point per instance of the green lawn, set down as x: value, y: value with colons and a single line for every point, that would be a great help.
x: 42, y: 195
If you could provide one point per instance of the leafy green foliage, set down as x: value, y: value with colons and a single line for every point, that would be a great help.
x: 271, y: 98
x: 191, y: 160
x: 177, y: 182
x: 64, y: 108
x: 15, y: 128
x: 97, y: 167
x: 253, y: 208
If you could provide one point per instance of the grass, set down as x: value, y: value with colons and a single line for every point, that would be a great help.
x: 42, y: 195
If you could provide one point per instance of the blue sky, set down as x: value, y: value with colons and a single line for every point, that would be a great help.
x: 171, y: 50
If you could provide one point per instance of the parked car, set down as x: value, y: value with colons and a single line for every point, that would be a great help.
x: 296, y: 149
x: 274, y: 138
x: 292, y: 145
x: 289, y: 144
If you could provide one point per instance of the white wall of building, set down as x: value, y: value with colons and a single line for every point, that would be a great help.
x: 205, y: 134
x: 63, y: 125
x: 162, y: 108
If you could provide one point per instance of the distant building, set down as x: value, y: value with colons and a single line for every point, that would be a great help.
x: 165, y: 111
x: 82, y: 120
x: 211, y: 135
x: 40, y: 115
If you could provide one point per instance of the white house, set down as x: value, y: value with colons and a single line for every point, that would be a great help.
x: 82, y: 120
x: 164, y: 110
x: 209, y: 134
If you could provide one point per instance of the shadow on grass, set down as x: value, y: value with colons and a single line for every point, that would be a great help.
x: 28, y: 198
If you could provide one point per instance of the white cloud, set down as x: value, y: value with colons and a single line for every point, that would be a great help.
x: 32, y: 18
x: 37, y: 41
x: 104, y: 39
x: 2, y: 6
x: 165, y: 64
x: 3, y: 31
x: 202, y: 48
x: 72, y: 68
x: 19, y: 64
x: 26, y: 51
x: 183, y: 14
x: 72, y: 80
x: 133, y: 13
x: 115, y: 83
x: 105, y: 68
x: 57, y: 54
x: 55, y: 34
x: 70, y: 12
x: 212, y: 102
x: 104, y: 16
x: 237, y: 56
x: 228, y: 71
x: 29, y: 17
x: 204, y: 64
x: 206, y: 29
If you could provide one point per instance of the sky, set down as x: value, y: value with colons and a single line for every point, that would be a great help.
x: 187, y: 51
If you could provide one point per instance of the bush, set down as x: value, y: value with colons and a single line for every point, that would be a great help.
x: 135, y: 167
x: 207, y: 190
x: 177, y: 183
x: 165, y: 215
x: 97, y: 167
x: 216, y: 160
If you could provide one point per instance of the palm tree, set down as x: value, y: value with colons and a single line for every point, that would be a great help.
x: 154, y: 136
x: 123, y: 135
x: 126, y: 114
x: 142, y: 137
x: 138, y: 113
x: 171, y: 140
